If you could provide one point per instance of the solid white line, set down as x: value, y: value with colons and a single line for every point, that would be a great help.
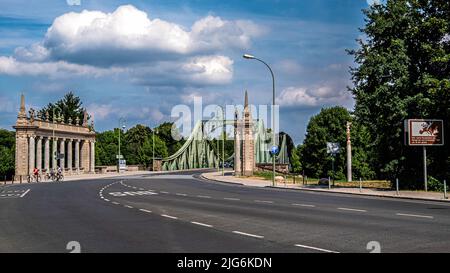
x: 130, y: 207
x: 304, y: 205
x: 232, y: 199
x: 144, y: 210
x: 316, y: 248
x: 415, y: 215
x: 358, y: 210
x: 23, y: 194
x: 201, y: 224
x: 248, y: 234
x: 181, y: 194
x: 168, y: 216
x: 203, y: 196
x: 262, y: 201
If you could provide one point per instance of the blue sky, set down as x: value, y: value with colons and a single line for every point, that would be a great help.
x: 138, y: 59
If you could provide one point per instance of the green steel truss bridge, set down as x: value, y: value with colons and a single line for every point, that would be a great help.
x: 197, y: 151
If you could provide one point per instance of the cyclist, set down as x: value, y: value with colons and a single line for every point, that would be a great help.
x: 60, y: 175
x: 36, y: 174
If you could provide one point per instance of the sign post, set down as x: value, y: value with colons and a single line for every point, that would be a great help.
x: 424, y: 132
x: 333, y: 149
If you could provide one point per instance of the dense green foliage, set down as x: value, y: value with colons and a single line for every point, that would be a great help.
x: 70, y: 106
x: 404, y: 72
x: 7, y: 151
x: 330, y: 126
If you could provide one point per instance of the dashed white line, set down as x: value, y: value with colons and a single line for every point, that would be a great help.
x: 168, y: 216
x: 263, y: 201
x: 130, y: 207
x: 201, y: 224
x: 304, y: 205
x: 415, y: 215
x: 248, y: 234
x: 107, y: 200
x: 316, y: 248
x: 144, y: 210
x: 203, y: 196
x: 181, y: 194
x: 23, y: 194
x: 232, y: 199
x: 115, y: 203
x: 349, y: 209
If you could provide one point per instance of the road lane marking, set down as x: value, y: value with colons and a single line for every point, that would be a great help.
x: 304, y: 205
x: 23, y: 194
x: 168, y: 216
x: 203, y: 196
x: 263, y: 201
x: 107, y: 200
x: 115, y: 203
x: 232, y: 199
x: 181, y: 194
x: 248, y: 234
x: 348, y: 209
x: 415, y: 215
x: 166, y: 192
x: 316, y: 248
x: 130, y: 207
x: 201, y: 224
x: 144, y: 210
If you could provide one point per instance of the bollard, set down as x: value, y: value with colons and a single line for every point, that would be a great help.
x: 445, y: 189
x: 396, y: 185
x: 306, y: 180
x: 21, y: 179
x: 329, y: 183
x: 13, y: 179
x: 4, y: 181
x: 360, y: 185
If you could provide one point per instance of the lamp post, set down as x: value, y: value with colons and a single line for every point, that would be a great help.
x: 153, y: 159
x: 223, y: 140
x: 251, y: 57
x: 121, y: 126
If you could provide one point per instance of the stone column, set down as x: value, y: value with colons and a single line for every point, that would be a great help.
x: 47, y: 154
x: 69, y: 155
x: 31, y: 155
x: 92, y: 157
x: 77, y: 155
x: 39, y: 154
x: 54, y: 153
x: 62, y: 146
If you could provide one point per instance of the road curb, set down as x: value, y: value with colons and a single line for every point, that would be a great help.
x: 219, y: 181
x: 335, y: 192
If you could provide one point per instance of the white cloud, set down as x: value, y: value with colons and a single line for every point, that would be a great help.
x: 320, y: 95
x: 150, y: 51
x: 59, y: 69
x: 129, y: 35
x: 100, y: 111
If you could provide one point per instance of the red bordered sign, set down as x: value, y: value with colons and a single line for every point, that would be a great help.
x: 424, y: 132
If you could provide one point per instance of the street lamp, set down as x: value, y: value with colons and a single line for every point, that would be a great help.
x: 121, y: 122
x: 153, y: 159
x: 251, y: 57
x: 223, y: 140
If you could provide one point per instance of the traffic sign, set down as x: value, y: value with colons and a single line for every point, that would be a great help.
x: 119, y: 156
x: 274, y: 150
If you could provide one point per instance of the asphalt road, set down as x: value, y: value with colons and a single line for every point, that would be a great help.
x: 182, y: 213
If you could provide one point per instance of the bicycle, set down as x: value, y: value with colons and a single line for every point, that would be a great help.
x: 33, y: 178
x: 58, y: 177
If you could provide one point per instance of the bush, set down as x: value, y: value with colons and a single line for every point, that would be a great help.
x: 435, y: 185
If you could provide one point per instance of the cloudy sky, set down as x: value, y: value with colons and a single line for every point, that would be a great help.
x: 138, y: 59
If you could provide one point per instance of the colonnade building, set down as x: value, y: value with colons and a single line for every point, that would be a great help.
x: 48, y: 144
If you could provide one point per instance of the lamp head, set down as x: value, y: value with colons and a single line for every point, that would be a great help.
x: 248, y: 56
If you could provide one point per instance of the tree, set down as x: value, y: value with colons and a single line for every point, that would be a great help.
x: 145, y: 153
x: 330, y: 126
x: 106, y: 148
x: 70, y: 106
x: 7, y: 153
x: 165, y: 131
x: 403, y: 72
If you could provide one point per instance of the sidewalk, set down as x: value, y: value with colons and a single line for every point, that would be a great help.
x: 257, y: 182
